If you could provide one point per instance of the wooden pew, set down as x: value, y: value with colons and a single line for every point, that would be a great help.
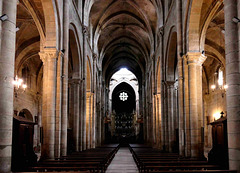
x: 152, y: 160
x: 92, y: 160
x: 197, y: 171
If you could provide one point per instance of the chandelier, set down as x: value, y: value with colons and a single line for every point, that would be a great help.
x: 19, y: 85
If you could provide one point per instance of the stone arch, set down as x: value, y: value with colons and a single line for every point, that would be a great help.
x: 87, y: 8
x: 126, y: 81
x: 39, y: 24
x: 158, y: 75
x: 193, y: 26
x: 171, y: 60
x: 25, y: 113
x: 127, y: 88
x: 51, y: 23
x: 75, y: 51
x: 210, y: 17
x: 89, y: 75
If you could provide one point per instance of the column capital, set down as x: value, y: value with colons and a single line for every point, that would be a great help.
x: 85, y: 31
x: 195, y: 58
x: 94, y: 56
x: 74, y: 81
x: 170, y: 84
x: 49, y: 53
x: 161, y: 30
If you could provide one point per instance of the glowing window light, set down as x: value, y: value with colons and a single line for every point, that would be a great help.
x: 220, y: 77
x: 123, y: 96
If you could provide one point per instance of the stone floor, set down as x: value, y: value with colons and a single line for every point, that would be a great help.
x: 122, y: 162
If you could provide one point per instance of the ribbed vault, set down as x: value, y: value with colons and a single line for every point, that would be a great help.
x: 123, y: 32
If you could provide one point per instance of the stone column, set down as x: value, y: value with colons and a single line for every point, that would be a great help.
x: 76, y: 116
x: 7, y: 59
x: 165, y: 117
x: 162, y: 109
x: 84, y: 86
x: 158, y: 109
x: 58, y: 106
x: 175, y: 117
x: 180, y: 79
x: 80, y: 117
x: 88, y: 119
x: 170, y: 115
x: 49, y: 58
x: 162, y: 99
x: 232, y: 30
x: 156, y: 119
x: 195, y: 61
x: 99, y: 115
x: 186, y: 119
x: 65, y: 80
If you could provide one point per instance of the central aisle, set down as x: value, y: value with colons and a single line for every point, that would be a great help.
x: 122, y: 162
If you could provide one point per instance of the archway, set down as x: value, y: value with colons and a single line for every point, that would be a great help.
x: 171, y: 85
x: 123, y: 120
x: 74, y: 86
x: 23, y: 154
x: 213, y: 86
x: 29, y: 67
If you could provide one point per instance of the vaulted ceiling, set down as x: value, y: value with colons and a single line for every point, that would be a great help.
x: 124, y: 33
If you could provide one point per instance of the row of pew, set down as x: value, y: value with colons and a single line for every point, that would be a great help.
x: 153, y: 160
x: 92, y: 160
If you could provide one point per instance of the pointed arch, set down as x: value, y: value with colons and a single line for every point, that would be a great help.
x: 51, y: 23
x: 194, y: 26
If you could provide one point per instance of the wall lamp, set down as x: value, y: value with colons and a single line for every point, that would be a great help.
x: 3, y: 17
x: 235, y: 19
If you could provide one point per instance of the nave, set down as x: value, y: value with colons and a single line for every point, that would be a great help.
x: 114, y: 158
x: 76, y: 75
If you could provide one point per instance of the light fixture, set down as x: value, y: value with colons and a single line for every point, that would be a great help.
x: 220, y: 83
x: 17, y: 29
x: 213, y: 87
x: 216, y: 115
x: 19, y: 85
x: 222, y: 113
x: 235, y: 19
x: 3, y: 17
x: 225, y: 87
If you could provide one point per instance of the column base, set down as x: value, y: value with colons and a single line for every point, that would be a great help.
x: 5, y: 164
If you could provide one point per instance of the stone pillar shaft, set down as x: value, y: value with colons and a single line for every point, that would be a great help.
x: 65, y: 80
x: 180, y: 79
x: 76, y: 115
x: 166, y: 127
x: 88, y: 119
x: 186, y: 118
x: 232, y: 30
x: 58, y: 106
x: 7, y: 59
x: 84, y: 86
x: 170, y: 116
x: 195, y: 60
x: 80, y: 119
x: 49, y: 58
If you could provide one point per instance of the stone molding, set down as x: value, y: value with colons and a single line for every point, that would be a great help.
x: 85, y: 31
x: 161, y: 31
x: 170, y: 84
x: 94, y: 55
x: 49, y: 54
x: 74, y: 81
x: 195, y: 58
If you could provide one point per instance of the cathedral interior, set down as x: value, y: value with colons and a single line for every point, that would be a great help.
x: 80, y: 74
